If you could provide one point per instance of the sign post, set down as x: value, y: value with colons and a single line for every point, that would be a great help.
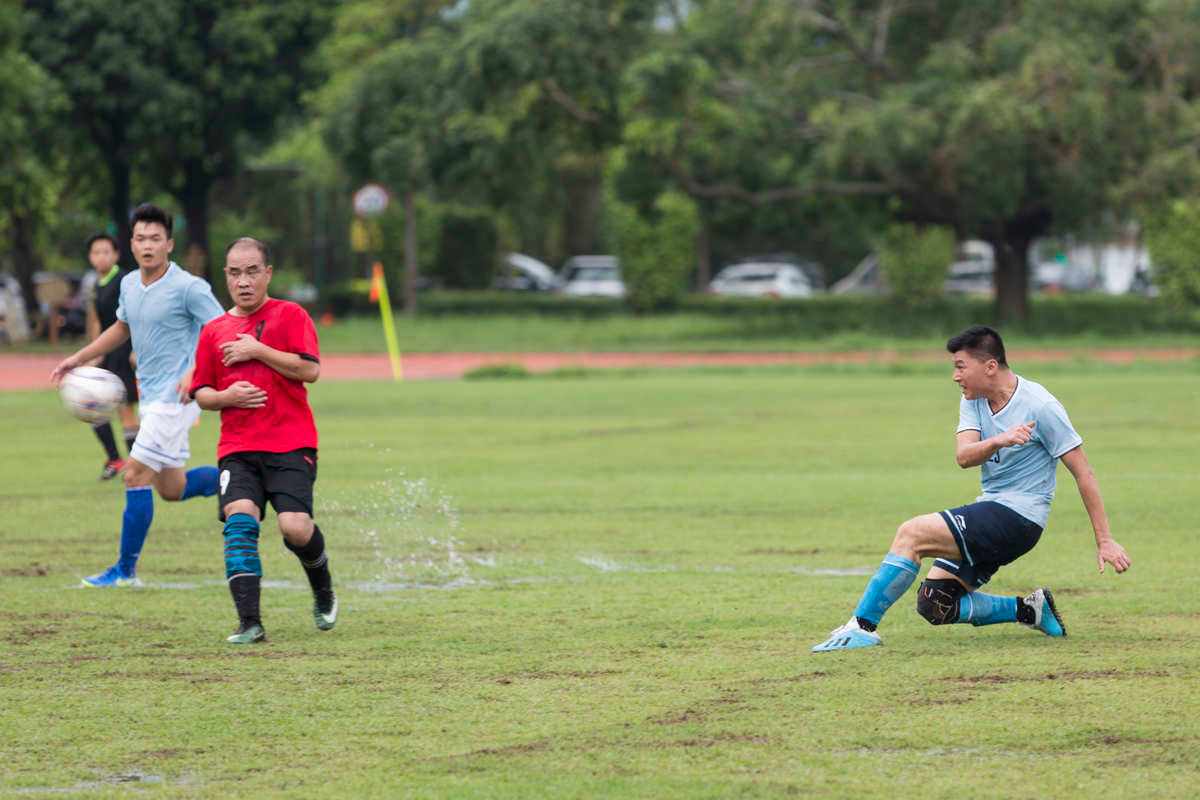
x: 369, y: 202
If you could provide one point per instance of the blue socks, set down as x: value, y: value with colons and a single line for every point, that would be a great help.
x: 201, y: 482
x: 135, y: 524
x: 241, y: 546
x: 891, y: 580
x: 243, y: 570
x: 978, y: 608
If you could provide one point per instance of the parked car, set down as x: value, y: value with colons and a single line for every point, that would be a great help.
x: 973, y: 269
x: 522, y: 273
x: 592, y: 276
x: 762, y: 279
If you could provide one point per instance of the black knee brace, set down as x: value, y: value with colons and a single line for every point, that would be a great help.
x: 937, y: 600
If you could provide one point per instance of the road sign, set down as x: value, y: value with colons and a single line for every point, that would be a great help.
x: 371, y: 200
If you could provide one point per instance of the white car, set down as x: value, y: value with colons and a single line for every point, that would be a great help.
x: 522, y: 273
x: 762, y: 279
x: 592, y: 276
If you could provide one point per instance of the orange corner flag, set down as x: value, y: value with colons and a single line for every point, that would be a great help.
x: 376, y: 280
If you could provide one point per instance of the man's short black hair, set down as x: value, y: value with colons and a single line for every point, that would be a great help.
x: 148, y: 212
x: 981, y: 342
x: 250, y: 241
x: 96, y: 237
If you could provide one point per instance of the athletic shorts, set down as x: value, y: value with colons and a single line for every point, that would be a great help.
x: 162, y: 439
x: 117, y: 362
x: 989, y: 535
x: 284, y: 479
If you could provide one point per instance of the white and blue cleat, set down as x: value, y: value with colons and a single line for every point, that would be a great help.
x: 1045, y: 616
x: 848, y: 637
x: 113, y: 577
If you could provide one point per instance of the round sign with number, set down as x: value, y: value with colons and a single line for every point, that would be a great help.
x: 371, y: 200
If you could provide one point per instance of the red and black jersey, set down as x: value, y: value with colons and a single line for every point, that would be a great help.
x: 285, y: 423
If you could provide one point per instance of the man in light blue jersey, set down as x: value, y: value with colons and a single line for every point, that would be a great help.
x: 1017, y: 432
x: 162, y: 308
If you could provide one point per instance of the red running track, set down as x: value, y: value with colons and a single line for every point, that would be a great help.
x: 31, y: 371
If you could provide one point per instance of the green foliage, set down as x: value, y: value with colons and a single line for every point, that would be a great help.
x: 1173, y: 238
x: 656, y: 247
x: 492, y: 372
x: 914, y: 261
x: 469, y: 248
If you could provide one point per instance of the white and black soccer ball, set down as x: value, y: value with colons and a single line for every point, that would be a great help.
x: 91, y: 394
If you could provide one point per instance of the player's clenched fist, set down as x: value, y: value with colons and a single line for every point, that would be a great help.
x: 1017, y: 434
x: 244, y: 394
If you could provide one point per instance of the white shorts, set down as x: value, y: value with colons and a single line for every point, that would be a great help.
x: 162, y: 439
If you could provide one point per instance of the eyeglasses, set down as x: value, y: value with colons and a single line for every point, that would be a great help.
x: 250, y: 272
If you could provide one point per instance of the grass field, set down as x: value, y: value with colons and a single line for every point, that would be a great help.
x: 607, y: 586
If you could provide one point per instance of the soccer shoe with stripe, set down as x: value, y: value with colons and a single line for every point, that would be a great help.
x: 247, y: 634
x: 1045, y: 616
x: 848, y: 637
x: 112, y: 577
x: 325, y: 612
x: 112, y: 469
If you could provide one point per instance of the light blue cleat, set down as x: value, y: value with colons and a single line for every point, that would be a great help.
x: 848, y: 637
x: 1045, y: 615
x: 112, y: 577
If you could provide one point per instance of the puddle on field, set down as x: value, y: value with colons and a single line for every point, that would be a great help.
x: 107, y: 782
x: 605, y: 564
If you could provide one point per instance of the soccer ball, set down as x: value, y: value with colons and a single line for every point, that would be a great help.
x: 91, y: 394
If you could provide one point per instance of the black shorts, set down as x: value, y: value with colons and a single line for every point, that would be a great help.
x: 117, y: 362
x: 285, y: 479
x: 989, y: 535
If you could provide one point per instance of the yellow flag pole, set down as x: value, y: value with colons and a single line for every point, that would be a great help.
x: 379, y: 292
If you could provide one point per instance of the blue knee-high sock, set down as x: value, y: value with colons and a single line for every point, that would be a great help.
x: 978, y: 608
x: 243, y: 569
x: 201, y: 482
x: 891, y: 580
x: 135, y: 524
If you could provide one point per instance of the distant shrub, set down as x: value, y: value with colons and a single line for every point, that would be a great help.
x: 657, y: 250
x: 492, y: 372
x: 914, y: 262
x: 1173, y: 238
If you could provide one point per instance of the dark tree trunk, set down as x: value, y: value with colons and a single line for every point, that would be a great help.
x: 703, y: 256
x: 581, y: 215
x: 194, y: 197
x: 25, y: 257
x: 1012, y: 280
x: 119, y: 205
x: 1011, y: 245
x: 410, y: 252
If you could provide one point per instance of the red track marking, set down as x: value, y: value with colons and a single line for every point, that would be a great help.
x: 31, y: 371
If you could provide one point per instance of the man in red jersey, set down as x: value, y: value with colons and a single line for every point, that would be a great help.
x: 251, y: 365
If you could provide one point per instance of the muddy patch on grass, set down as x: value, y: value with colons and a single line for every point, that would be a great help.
x: 30, y: 634
x: 783, y: 551
x: 1066, y: 675
x: 28, y: 571
x: 720, y: 739
x: 510, y: 750
x: 541, y: 675
x: 688, y: 715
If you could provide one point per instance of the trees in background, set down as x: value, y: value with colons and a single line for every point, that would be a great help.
x: 808, y: 126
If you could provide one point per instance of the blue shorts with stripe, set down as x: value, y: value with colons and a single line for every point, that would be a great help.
x: 989, y: 535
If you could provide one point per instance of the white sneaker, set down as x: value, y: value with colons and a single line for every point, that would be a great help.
x: 848, y: 637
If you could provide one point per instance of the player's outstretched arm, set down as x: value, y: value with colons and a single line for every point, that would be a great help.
x: 290, y: 365
x: 113, y: 337
x: 242, y: 394
x: 1107, y: 549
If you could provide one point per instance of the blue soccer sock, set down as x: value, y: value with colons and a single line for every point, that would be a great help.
x: 978, y: 609
x: 891, y: 580
x: 201, y: 482
x: 135, y: 524
x: 243, y: 569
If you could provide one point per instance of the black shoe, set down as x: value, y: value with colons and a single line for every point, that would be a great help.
x: 325, y: 610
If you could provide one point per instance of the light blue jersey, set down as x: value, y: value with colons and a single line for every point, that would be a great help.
x: 1022, y: 477
x: 164, y: 322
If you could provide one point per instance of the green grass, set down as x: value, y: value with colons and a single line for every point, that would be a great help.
x: 608, y: 587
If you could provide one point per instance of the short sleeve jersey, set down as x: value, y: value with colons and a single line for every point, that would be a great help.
x: 1022, y: 477
x: 164, y: 322
x: 285, y: 423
